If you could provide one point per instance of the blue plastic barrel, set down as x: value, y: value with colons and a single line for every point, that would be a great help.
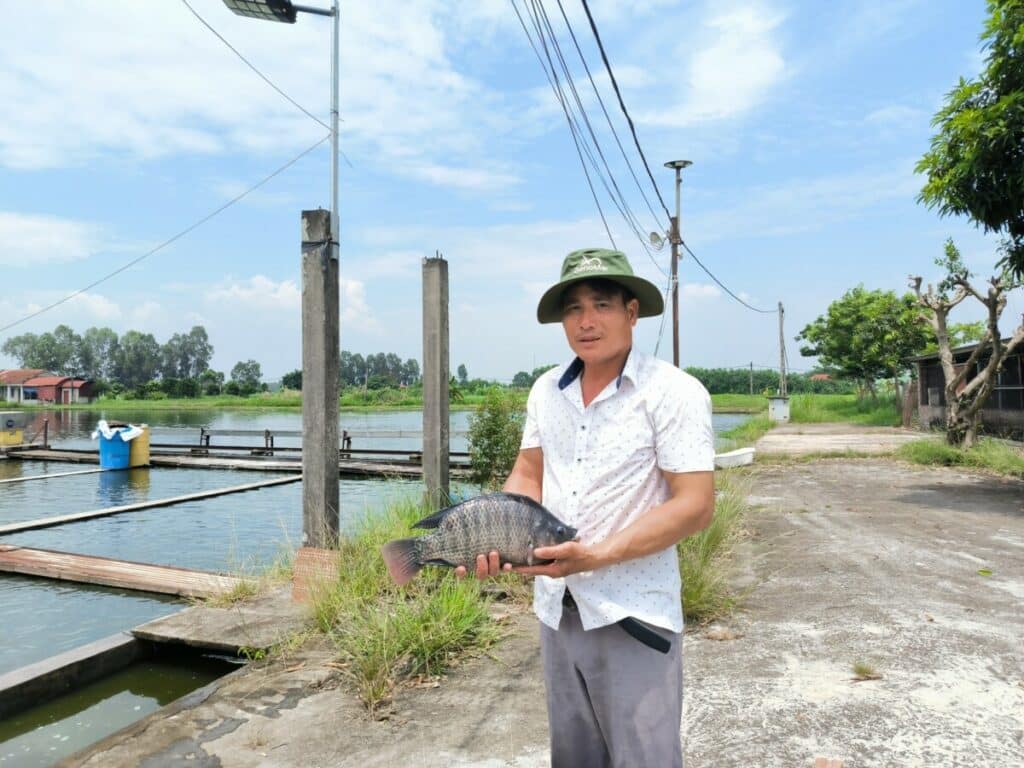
x: 114, y: 452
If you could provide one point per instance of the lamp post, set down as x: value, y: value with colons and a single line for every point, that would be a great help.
x: 320, y: 333
x: 285, y: 11
x: 678, y: 165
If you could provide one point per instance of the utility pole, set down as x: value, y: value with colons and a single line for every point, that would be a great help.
x: 782, y: 354
x: 436, y: 442
x: 751, y: 377
x: 678, y: 165
x: 320, y: 353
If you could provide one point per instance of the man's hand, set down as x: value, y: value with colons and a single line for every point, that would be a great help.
x: 569, y: 557
x: 486, y: 567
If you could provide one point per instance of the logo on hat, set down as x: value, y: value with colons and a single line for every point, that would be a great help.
x: 589, y: 264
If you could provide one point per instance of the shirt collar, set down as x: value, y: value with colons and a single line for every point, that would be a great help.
x: 575, y: 368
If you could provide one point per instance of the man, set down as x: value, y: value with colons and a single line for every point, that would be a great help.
x: 620, y: 446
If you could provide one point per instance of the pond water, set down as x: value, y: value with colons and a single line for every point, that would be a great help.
x: 239, y: 533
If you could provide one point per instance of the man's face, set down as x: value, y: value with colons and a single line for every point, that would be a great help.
x: 598, y: 325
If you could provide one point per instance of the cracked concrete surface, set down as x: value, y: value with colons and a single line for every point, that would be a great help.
x: 846, y: 561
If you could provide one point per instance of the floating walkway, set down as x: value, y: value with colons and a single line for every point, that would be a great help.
x: 48, y: 522
x: 346, y: 467
x: 121, y: 574
x: 47, y: 477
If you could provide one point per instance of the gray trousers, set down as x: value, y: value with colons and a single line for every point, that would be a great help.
x: 612, y: 701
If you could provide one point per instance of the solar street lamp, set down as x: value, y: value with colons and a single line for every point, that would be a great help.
x: 286, y: 11
x: 320, y: 329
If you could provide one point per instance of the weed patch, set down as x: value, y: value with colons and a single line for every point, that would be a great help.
x: 990, y: 455
x: 705, y: 559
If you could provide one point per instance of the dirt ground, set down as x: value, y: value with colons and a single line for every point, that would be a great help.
x: 846, y: 561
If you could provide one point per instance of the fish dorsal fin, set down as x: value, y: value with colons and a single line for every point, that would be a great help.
x: 434, y: 520
x: 533, y: 503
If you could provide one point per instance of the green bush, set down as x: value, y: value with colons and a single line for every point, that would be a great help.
x: 495, y: 431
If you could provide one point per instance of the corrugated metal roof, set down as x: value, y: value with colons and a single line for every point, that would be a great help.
x: 18, y: 376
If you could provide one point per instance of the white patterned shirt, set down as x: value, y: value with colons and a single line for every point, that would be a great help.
x: 602, y: 471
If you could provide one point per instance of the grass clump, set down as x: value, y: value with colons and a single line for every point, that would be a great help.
x: 991, y: 455
x: 705, y: 559
x: 385, y: 635
x: 728, y: 403
x: 747, y: 433
x: 812, y: 408
x: 862, y: 671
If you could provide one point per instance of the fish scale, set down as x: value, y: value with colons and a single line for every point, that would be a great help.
x: 508, y: 523
x: 482, y: 527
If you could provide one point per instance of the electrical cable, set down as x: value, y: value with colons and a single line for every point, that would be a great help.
x: 607, y: 117
x: 575, y: 141
x: 262, y: 76
x: 622, y: 106
x: 171, y: 240
x: 631, y: 219
x: 722, y: 285
x: 661, y: 328
x: 574, y: 125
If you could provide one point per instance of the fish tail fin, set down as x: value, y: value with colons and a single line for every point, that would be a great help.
x: 401, y: 556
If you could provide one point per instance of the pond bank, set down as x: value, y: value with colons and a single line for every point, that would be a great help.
x: 869, y: 561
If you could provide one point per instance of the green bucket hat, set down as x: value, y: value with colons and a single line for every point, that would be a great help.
x: 591, y: 264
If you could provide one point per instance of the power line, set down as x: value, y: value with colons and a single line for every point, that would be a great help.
x: 171, y: 240
x: 627, y: 213
x: 607, y: 117
x: 722, y: 285
x: 622, y: 106
x: 262, y: 76
x: 571, y: 130
x: 538, y: 15
x: 661, y: 328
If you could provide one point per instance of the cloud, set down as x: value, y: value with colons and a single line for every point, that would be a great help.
x: 732, y: 72
x: 701, y: 291
x: 259, y: 293
x: 28, y: 240
x: 147, y: 81
x: 464, y: 178
x: 807, y: 204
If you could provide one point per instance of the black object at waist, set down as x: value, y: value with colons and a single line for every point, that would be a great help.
x: 634, y: 628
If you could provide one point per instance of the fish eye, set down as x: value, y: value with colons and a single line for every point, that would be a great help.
x: 560, y: 530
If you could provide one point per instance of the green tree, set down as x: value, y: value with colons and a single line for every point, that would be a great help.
x: 463, y: 374
x: 247, y: 375
x: 292, y: 380
x: 97, y: 354
x: 211, y: 382
x: 138, y: 359
x: 495, y: 431
x: 867, y: 335
x: 975, y: 166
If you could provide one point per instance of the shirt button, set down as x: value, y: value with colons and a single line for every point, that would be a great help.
x: 578, y: 460
x: 583, y: 427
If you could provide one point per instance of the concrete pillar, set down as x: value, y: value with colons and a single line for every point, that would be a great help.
x: 435, y: 380
x: 320, y: 361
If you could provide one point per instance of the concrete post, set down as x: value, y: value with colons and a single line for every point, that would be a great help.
x: 320, y: 353
x: 435, y: 380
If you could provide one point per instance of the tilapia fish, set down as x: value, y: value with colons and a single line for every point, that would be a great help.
x: 508, y: 523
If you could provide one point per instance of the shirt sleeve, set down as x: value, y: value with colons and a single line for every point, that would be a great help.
x: 684, y: 437
x: 531, y: 428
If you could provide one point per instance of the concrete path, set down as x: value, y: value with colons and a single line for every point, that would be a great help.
x: 846, y: 561
x: 805, y: 439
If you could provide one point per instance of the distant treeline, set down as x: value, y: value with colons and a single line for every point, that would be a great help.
x: 135, y: 364
x: 739, y: 381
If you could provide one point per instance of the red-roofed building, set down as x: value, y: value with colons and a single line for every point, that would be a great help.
x: 63, y: 390
x: 12, y: 382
